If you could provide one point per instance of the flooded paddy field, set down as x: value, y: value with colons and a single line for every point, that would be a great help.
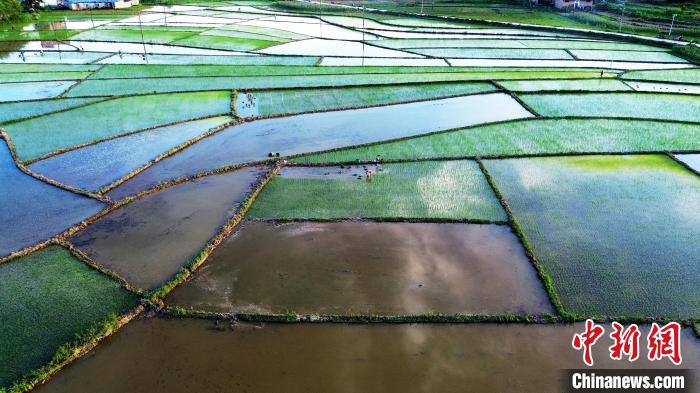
x: 316, y: 163
x: 254, y: 141
x: 367, y: 268
x: 437, y: 190
x: 42, y: 135
x: 681, y: 76
x: 32, y: 90
x: 692, y: 160
x: 101, y: 164
x: 647, y: 106
x: 527, y: 137
x: 292, y: 101
x: 149, y: 240
x: 171, y: 355
x: 46, y: 298
x: 37, y: 210
x: 19, y: 109
x: 576, y: 210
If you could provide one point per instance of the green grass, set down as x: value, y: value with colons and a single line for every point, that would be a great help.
x: 46, y: 298
x: 531, y: 136
x: 18, y: 110
x: 151, y: 70
x: 689, y: 75
x: 618, y: 234
x: 603, y: 84
x: 43, y: 76
x: 95, y: 87
x: 45, y: 134
x: 306, y: 100
x: 619, y: 55
x: 508, y: 43
x: 449, y: 190
x: 46, y: 35
x: 262, y: 31
x: 480, y: 53
x: 133, y: 35
x: 518, y: 12
x: 242, y: 34
x: 645, y: 106
x: 689, y: 52
x: 226, y: 43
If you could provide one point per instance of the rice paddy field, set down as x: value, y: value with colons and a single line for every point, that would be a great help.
x: 276, y: 196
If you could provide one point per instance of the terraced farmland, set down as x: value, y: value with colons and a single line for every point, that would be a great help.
x: 235, y: 165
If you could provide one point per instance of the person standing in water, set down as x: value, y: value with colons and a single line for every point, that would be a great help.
x: 378, y: 162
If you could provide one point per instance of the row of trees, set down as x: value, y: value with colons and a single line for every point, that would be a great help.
x: 9, y: 10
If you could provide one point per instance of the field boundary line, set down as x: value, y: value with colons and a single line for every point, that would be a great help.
x: 21, y: 119
x: 544, y: 276
x: 683, y: 164
x: 164, y: 155
x: 496, y: 156
x: 109, y: 138
x: 157, y: 295
x: 492, y: 157
x: 411, y: 220
x: 85, y: 258
x: 71, y: 351
x: 360, y: 107
x: 23, y: 168
x: 292, y: 317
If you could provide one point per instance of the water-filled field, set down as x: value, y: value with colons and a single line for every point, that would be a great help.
x: 445, y: 190
x: 618, y: 234
x: 299, y: 358
x: 217, y: 168
x: 48, y: 298
x: 367, y: 268
x: 133, y: 241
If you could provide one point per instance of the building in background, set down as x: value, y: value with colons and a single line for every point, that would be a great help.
x: 91, y: 4
x: 566, y: 4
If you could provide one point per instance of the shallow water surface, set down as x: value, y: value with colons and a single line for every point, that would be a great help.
x: 96, y: 166
x: 368, y: 268
x: 253, y: 141
x: 664, y: 87
x: 149, y: 240
x: 32, y: 211
x: 32, y: 90
x: 169, y: 355
x: 692, y: 160
x: 321, y: 47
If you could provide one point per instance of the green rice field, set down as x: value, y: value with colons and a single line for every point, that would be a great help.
x: 630, y: 105
x: 528, y: 137
x: 691, y: 75
x: 46, y: 134
x: 616, y: 233
x: 49, y: 297
x: 449, y: 190
x: 274, y: 102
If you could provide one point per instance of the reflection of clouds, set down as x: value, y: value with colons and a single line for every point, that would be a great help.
x: 684, y: 203
x: 532, y: 174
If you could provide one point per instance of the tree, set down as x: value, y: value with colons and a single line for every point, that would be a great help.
x: 32, y: 5
x: 9, y: 10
